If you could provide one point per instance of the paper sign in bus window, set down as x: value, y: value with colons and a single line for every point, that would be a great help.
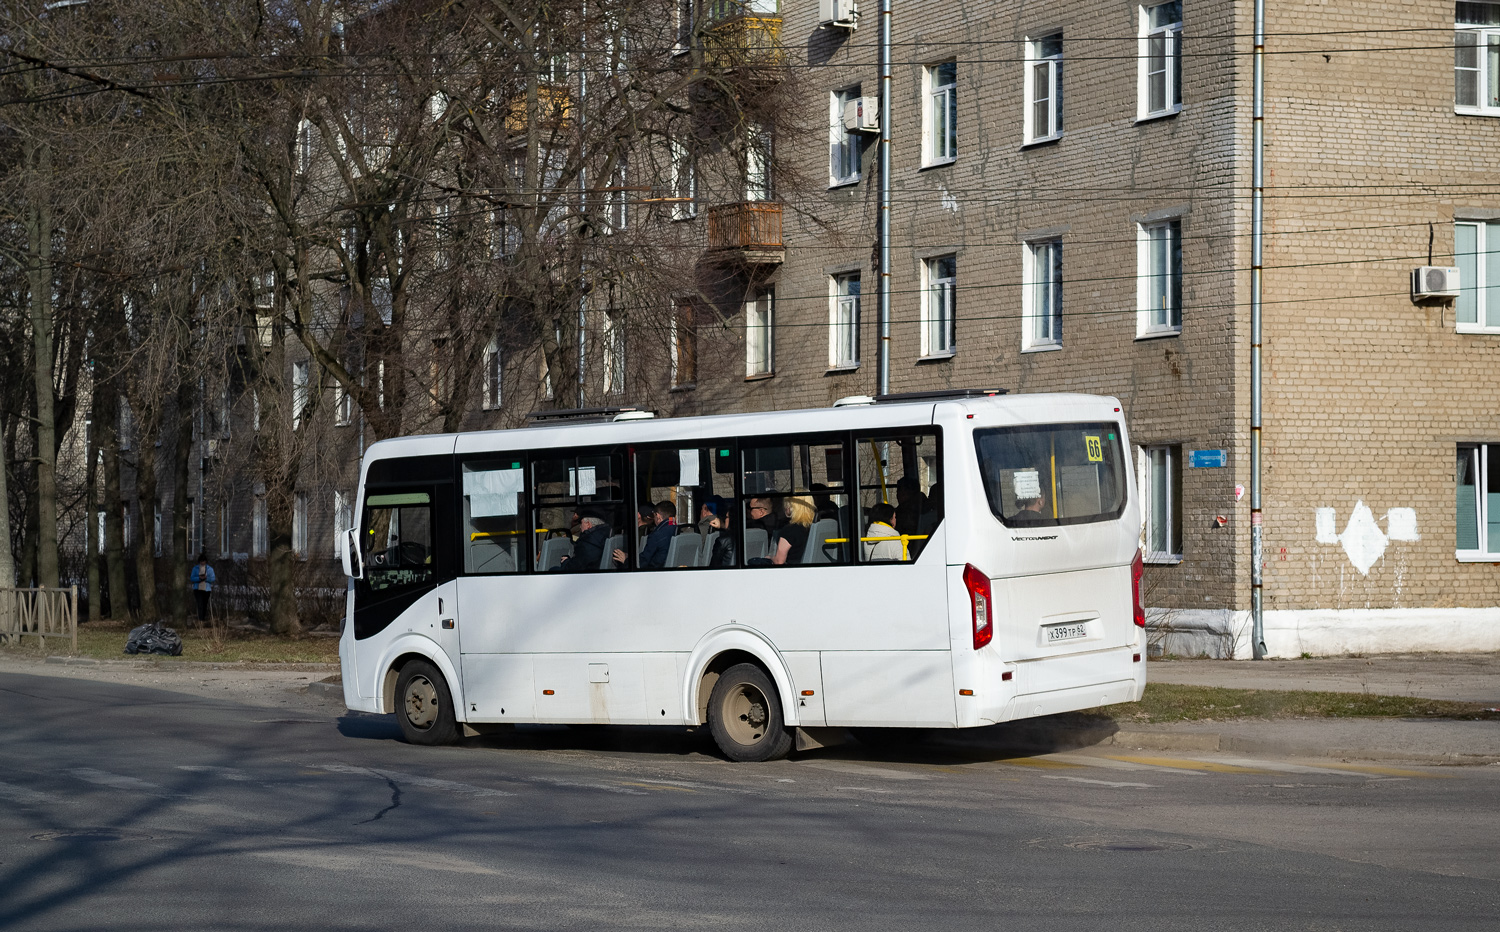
x: 581, y: 481
x: 494, y: 492
x: 1095, y: 449
x: 687, y: 461
x: 1028, y: 485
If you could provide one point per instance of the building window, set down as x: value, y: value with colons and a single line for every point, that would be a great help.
x: 614, y: 354
x: 1044, y: 98
x: 940, y: 114
x: 223, y: 529
x: 843, y: 322
x: 618, y: 218
x: 1041, y: 295
x: 156, y: 529
x: 684, y: 182
x: 684, y: 345
x: 1478, y: 526
x: 1476, y: 58
x: 343, y: 520
x: 304, y: 146
x: 299, y: 525
x: 1160, y: 90
x: 760, y: 323
x: 758, y: 153
x: 491, y: 375
x: 299, y: 393
x: 1161, y: 489
x: 938, y: 278
x: 844, y: 147
x: 343, y: 406
x: 260, y: 533
x: 1476, y: 249
x: 1159, y: 279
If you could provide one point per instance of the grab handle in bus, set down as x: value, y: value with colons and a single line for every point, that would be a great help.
x: 354, y: 562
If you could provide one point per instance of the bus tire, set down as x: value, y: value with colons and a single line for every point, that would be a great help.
x: 424, y: 706
x: 744, y: 716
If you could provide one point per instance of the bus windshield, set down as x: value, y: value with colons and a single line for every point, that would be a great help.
x: 1052, y: 474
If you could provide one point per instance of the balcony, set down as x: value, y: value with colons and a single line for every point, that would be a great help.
x: 748, y: 232
x: 554, y: 105
x: 743, y: 41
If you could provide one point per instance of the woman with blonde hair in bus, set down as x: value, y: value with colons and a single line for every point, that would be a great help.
x: 791, y: 539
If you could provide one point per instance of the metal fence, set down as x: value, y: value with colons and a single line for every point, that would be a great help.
x: 39, y: 613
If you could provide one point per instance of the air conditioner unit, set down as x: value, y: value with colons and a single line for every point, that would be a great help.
x: 862, y: 115
x: 841, y: 13
x: 1434, y: 281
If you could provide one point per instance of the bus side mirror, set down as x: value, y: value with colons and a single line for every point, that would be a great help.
x: 354, y: 565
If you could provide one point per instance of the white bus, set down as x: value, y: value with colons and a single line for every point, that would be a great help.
x: 945, y: 562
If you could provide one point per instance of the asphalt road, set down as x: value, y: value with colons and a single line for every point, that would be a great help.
x: 123, y: 807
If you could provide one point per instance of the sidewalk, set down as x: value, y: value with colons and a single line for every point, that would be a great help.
x: 1457, y: 677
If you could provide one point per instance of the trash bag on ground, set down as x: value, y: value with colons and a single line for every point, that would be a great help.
x: 154, y: 638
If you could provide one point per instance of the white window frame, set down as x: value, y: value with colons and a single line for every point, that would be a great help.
x: 845, y: 148
x: 1482, y: 75
x: 299, y: 525
x: 939, y: 299
x: 684, y: 181
x: 617, y: 199
x: 614, y: 354
x: 683, y: 341
x: 843, y: 320
x: 760, y: 334
x: 760, y: 147
x: 1043, y: 83
x: 1146, y: 279
x: 492, y: 375
x: 260, y: 533
x: 300, y: 376
x: 343, y: 519
x: 1161, y: 462
x: 1487, y: 549
x: 1041, y: 295
x: 1167, y: 36
x: 1476, y: 252
x: 939, y: 115
x: 343, y: 405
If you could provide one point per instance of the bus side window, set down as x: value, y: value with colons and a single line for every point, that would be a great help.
x: 494, y: 516
x: 693, y: 483
x: 396, y: 541
x: 569, y: 486
x: 796, y: 506
x: 903, y: 474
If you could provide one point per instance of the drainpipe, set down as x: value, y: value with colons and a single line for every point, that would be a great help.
x: 1257, y: 208
x: 883, y: 291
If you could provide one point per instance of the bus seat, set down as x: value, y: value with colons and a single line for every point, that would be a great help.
x: 489, y: 556
x: 617, y: 542
x: 683, y: 551
x: 553, y: 551
x: 757, y: 541
x: 707, y: 549
x: 819, y: 550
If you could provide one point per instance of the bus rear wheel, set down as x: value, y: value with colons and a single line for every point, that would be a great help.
x: 424, y: 707
x: 744, y: 716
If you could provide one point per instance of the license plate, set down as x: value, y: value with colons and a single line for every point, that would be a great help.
x: 1067, y: 632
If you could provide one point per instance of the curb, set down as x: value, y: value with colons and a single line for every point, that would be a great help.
x: 1209, y: 741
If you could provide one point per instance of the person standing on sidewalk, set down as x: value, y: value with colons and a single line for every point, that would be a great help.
x: 202, y: 580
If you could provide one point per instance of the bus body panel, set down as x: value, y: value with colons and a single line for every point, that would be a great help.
x: 735, y: 638
x: 501, y: 688
x: 889, y: 688
x: 396, y: 644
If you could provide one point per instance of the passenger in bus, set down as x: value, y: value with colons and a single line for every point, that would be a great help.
x: 724, y: 552
x: 761, y: 515
x: 1030, y: 513
x: 588, y: 550
x: 645, y: 520
x: 881, y: 515
x: 654, y: 551
x: 791, y: 540
x: 911, y: 504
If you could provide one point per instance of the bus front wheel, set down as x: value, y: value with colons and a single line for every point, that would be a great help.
x: 744, y: 715
x: 424, y: 706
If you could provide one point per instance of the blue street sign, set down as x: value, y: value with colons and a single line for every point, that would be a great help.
x: 1208, y: 459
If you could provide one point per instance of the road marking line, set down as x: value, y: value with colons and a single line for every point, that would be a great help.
x: 1390, y: 771
x: 1049, y: 776
x: 864, y: 771
x: 119, y: 782
x: 865, y: 789
x: 1283, y: 767
x: 450, y: 786
x: 1178, y: 763
x: 1041, y: 763
x: 228, y: 773
x: 1104, y: 763
x: 20, y: 794
x: 659, y: 786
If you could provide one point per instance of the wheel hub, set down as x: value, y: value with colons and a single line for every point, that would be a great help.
x: 421, y: 702
x: 748, y: 714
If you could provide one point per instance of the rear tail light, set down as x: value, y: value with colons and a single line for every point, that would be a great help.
x: 978, y: 585
x: 1137, y: 597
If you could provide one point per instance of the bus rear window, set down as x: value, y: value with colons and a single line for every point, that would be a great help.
x: 1052, y: 474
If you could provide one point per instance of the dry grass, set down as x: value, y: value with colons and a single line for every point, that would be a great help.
x: 105, y: 640
x: 1167, y: 702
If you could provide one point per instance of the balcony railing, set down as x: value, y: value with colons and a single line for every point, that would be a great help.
x: 554, y: 105
x: 751, y: 229
x: 744, y: 41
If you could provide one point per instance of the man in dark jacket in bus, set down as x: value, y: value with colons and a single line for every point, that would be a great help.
x: 588, y: 550
x: 654, y: 551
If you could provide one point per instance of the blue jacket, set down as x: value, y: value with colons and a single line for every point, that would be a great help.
x: 654, y: 553
x: 193, y: 577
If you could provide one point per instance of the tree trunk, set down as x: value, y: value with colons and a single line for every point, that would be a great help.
x: 182, y: 514
x: 91, y: 521
x: 145, y: 545
x: 39, y: 282
x: 107, y: 419
x: 7, y: 556
x: 283, y: 563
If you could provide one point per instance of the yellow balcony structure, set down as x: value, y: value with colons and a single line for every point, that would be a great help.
x: 743, y: 41
x: 748, y: 232
x: 554, y: 109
